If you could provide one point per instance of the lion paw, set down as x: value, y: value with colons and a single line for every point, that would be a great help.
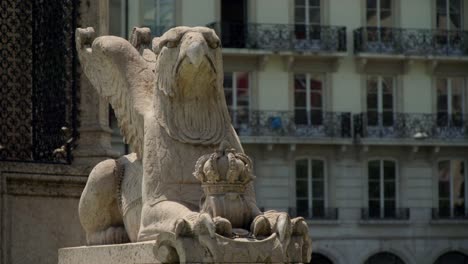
x: 202, y: 224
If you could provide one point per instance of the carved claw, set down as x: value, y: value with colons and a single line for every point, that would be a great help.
x: 204, y: 224
x: 283, y: 227
x: 223, y: 226
x: 84, y: 37
x: 260, y: 226
x: 299, y: 226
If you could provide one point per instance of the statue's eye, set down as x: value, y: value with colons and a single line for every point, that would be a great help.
x: 171, y: 44
x: 214, y: 44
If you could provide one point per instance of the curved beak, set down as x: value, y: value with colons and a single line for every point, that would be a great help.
x: 195, y: 53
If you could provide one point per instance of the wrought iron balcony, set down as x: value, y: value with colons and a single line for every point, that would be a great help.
x: 418, y: 42
x: 286, y: 123
x: 315, y: 213
x: 449, y: 213
x: 410, y: 125
x: 281, y: 37
x: 385, y: 214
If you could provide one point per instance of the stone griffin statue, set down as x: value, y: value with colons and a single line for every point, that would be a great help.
x: 168, y: 97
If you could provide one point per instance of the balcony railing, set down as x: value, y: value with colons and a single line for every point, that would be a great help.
x: 449, y: 213
x: 281, y: 37
x: 284, y: 123
x: 315, y: 213
x: 410, y: 125
x: 419, y: 42
x: 386, y: 214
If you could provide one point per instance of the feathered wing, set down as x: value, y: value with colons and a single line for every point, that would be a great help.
x: 124, y: 76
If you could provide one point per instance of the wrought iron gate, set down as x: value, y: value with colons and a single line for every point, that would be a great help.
x: 38, y: 80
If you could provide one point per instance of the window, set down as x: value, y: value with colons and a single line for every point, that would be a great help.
x: 158, y: 15
x: 453, y: 257
x: 379, y: 20
x: 448, y: 22
x: 450, y: 101
x: 382, y: 189
x: 310, y: 188
x: 318, y: 258
x: 384, y: 258
x: 307, y: 14
x: 452, y: 188
x: 308, y: 99
x: 380, y: 100
x: 237, y: 92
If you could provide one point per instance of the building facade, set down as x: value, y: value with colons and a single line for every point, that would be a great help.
x: 353, y: 112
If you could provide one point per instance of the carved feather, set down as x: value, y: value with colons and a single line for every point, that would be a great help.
x: 123, y: 75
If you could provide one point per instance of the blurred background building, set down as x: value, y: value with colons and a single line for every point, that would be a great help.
x: 354, y: 113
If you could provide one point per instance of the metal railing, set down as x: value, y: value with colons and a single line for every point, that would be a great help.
x: 385, y: 214
x: 284, y: 123
x: 419, y: 42
x: 410, y: 125
x: 315, y: 213
x: 449, y: 213
x: 281, y: 37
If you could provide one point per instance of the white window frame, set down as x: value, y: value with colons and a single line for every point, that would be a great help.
x: 310, y: 183
x: 307, y: 7
x: 382, y: 184
x: 234, y: 103
x: 447, y: 14
x: 380, y: 96
x: 378, y: 9
x: 465, y: 163
x: 308, y: 107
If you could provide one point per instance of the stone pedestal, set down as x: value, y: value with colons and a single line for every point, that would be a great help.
x: 189, y: 250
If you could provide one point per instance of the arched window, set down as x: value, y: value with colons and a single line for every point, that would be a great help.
x: 452, y: 257
x: 318, y: 258
x: 384, y: 258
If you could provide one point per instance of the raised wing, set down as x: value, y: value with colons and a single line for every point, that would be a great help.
x: 123, y: 74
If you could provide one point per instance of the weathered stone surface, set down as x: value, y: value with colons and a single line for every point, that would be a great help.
x: 169, y: 101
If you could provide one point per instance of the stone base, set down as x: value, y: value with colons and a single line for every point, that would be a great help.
x: 189, y: 250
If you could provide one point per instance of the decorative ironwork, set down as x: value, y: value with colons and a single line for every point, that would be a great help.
x: 387, y: 214
x: 38, y: 80
x: 315, y: 213
x: 410, y: 126
x: 419, y: 42
x: 448, y: 214
x: 282, y: 37
x: 283, y: 123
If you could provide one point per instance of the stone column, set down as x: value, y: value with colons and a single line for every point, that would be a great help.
x: 94, y: 144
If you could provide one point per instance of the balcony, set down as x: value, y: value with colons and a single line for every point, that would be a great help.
x: 287, y: 124
x: 457, y: 213
x: 410, y: 42
x: 315, y: 213
x: 281, y: 37
x: 370, y: 214
x: 390, y: 125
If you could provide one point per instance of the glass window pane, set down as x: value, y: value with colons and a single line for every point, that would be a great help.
x: 301, y: 169
x: 300, y: 99
x: 441, y: 4
x: 228, y: 96
x: 390, y: 209
x: 227, y: 80
x: 314, y: 3
x: 387, y: 101
x: 372, y: 85
x: 374, y: 190
x: 300, y: 82
x: 389, y: 170
x: 299, y: 15
x: 458, y: 179
x: 374, y: 170
x: 242, y: 79
x: 317, y: 169
x: 386, y: 19
x: 299, y: 2
x: 318, y: 190
x: 318, y: 206
x: 371, y: 4
x: 389, y: 190
x: 372, y: 101
x: 442, y: 92
x: 314, y: 16
x: 457, y: 95
x: 316, y: 117
x: 374, y: 209
x: 302, y: 208
x: 315, y: 84
x: 444, y: 179
x: 300, y: 116
x: 387, y: 118
x: 385, y: 4
x: 316, y: 100
x: 302, y: 189
x: 371, y: 18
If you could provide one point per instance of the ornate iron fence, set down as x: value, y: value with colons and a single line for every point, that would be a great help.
x: 386, y: 214
x: 281, y: 37
x: 38, y: 80
x: 410, y: 125
x: 448, y: 213
x: 283, y: 123
x: 419, y: 42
